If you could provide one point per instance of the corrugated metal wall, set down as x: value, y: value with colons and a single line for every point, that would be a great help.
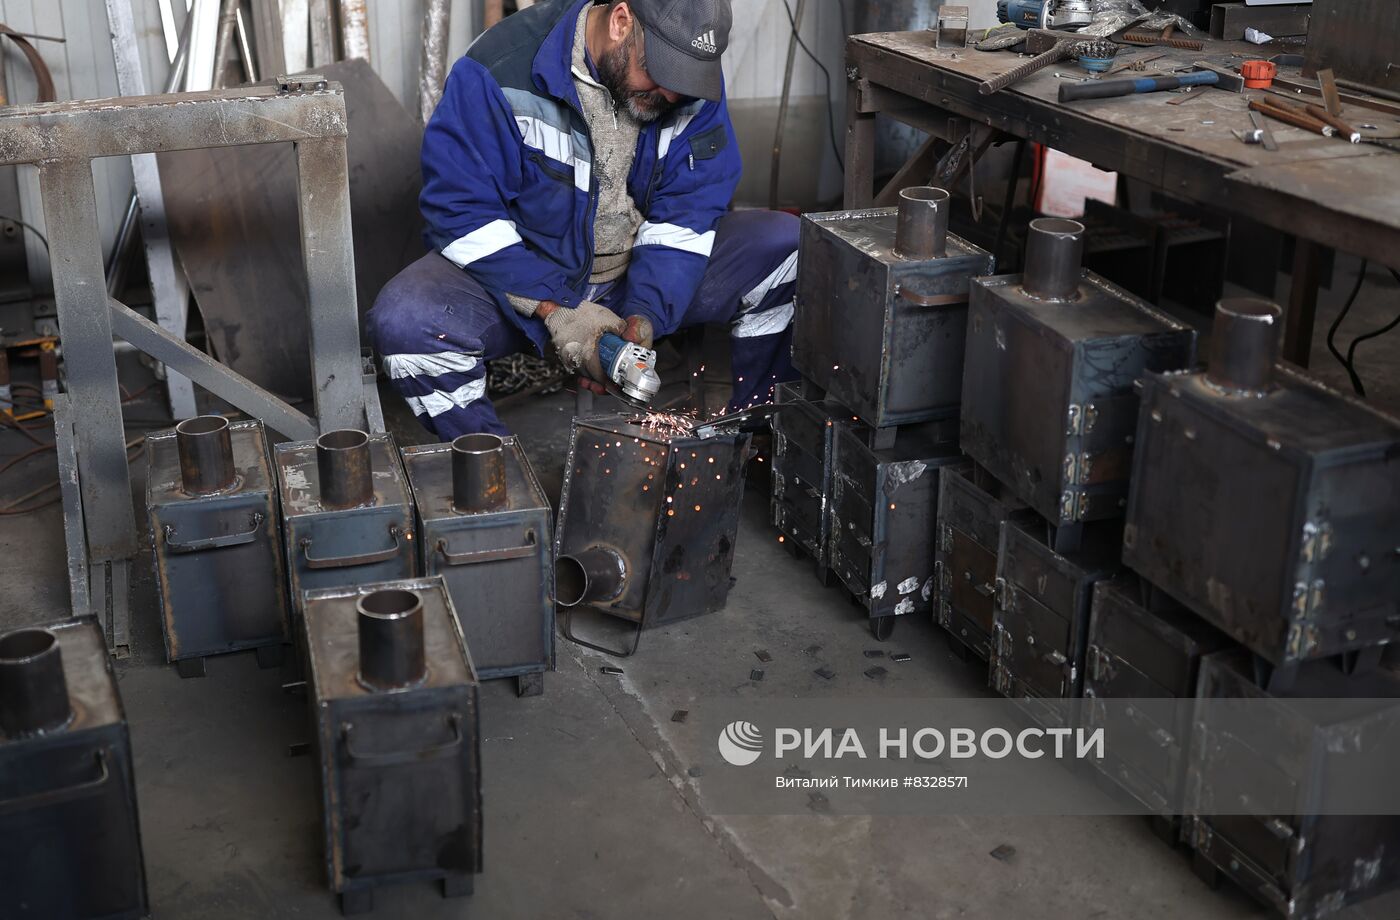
x: 83, y: 69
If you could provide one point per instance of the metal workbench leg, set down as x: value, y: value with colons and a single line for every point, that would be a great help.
x: 1302, y: 302
x: 73, y: 536
x: 327, y: 251
x: 80, y: 295
x: 860, y: 152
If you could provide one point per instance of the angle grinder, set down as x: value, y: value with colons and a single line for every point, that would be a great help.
x: 1065, y: 15
x: 630, y: 369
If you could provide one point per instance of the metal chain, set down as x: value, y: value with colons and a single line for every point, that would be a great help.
x: 515, y: 373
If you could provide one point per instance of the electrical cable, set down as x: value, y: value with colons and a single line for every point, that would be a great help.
x: 1336, y: 324
x: 1351, y: 350
x: 30, y: 227
x: 830, y: 109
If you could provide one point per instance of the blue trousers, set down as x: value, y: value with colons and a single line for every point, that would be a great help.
x: 434, y: 326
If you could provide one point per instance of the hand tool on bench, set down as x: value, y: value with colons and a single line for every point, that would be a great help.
x: 1204, y: 75
x: 1132, y: 36
x: 1048, y: 46
x: 1344, y: 129
x: 1289, y: 115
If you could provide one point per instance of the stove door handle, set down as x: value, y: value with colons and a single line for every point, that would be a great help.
x: 61, y: 794
x: 524, y: 551
x: 229, y: 539
x: 399, y: 758
x: 345, y: 562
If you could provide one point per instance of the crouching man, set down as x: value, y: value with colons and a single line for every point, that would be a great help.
x: 576, y: 181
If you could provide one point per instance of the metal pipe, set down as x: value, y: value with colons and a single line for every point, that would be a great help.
x: 1054, y: 257
x: 433, y: 66
x: 206, y: 454
x: 1244, y: 344
x: 33, y: 691
x: 343, y: 459
x: 48, y: 373
x: 354, y: 29
x: 392, y: 654
x: 478, y: 473
x: 7, y: 401
x: 223, y: 45
x: 116, y: 262
x: 596, y: 575
x: 921, y: 228
x: 774, y: 169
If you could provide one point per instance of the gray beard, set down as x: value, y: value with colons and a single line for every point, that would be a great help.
x: 612, y: 73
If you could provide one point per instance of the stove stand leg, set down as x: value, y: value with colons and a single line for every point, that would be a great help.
x: 528, y: 685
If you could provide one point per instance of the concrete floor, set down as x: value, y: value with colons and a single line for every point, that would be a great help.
x: 590, y: 812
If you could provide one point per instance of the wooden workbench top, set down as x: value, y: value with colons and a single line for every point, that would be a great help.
x: 1357, y: 186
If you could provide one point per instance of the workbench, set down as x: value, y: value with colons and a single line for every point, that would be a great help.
x: 1324, y: 191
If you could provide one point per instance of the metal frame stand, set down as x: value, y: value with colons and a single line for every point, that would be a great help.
x: 62, y: 139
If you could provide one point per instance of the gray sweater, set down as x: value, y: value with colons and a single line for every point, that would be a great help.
x: 614, y: 132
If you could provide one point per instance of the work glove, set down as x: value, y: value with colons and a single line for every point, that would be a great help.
x: 575, y: 332
x: 639, y: 331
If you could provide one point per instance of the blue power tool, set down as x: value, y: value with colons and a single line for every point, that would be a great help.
x: 630, y: 368
x: 1065, y: 15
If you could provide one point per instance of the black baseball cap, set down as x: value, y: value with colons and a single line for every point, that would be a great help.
x: 684, y: 41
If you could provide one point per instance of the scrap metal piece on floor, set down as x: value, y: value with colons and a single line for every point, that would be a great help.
x: 889, y: 343
x: 648, y: 520
x: 393, y: 699
x: 211, y: 500
x: 70, y: 845
x: 233, y: 219
x: 347, y: 512
x: 484, y: 526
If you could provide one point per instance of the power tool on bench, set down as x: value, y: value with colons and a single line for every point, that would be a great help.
x: 630, y: 369
x: 1066, y: 15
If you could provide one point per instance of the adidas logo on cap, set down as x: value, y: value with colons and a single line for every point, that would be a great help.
x: 705, y: 42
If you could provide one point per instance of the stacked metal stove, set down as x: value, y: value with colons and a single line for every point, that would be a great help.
x: 1264, y: 521
x: 322, y: 544
x: 879, y: 338
x: 1126, y: 541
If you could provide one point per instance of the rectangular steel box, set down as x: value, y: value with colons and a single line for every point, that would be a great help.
x: 881, y: 334
x: 1278, y: 769
x: 1041, y: 630
x: 70, y: 844
x: 1144, y: 655
x: 498, y: 565
x: 972, y: 506
x: 1048, y: 401
x: 400, y: 770
x: 664, y: 505
x: 804, y: 432
x: 218, y: 557
x: 329, y: 547
x: 1274, y: 517
x: 883, y: 509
